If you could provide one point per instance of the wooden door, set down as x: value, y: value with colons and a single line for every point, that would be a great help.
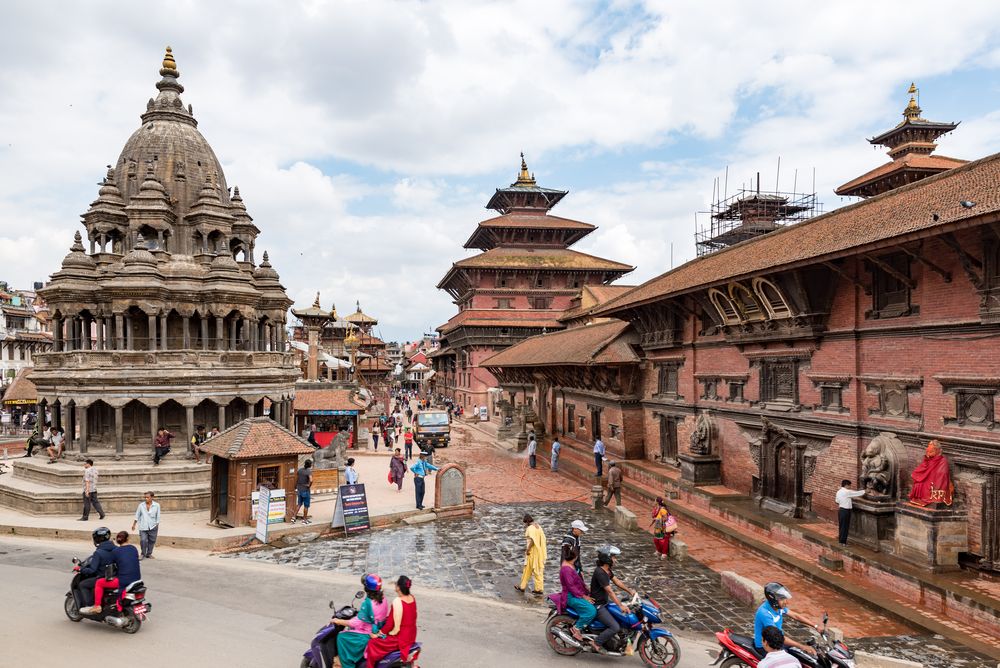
x: 784, y: 458
x: 668, y: 439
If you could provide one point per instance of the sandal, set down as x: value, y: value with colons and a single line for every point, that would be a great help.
x: 520, y: 589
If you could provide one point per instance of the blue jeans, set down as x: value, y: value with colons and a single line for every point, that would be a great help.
x: 418, y: 488
x: 584, y: 609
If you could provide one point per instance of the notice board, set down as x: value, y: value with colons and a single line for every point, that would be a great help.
x: 352, y: 509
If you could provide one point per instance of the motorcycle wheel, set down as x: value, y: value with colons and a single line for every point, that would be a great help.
x: 734, y: 662
x: 72, y: 611
x: 557, y: 645
x: 662, y: 651
x: 132, y: 624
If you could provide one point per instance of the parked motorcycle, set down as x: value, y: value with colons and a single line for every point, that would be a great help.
x: 323, y: 647
x: 655, y: 646
x: 125, y: 610
x: 738, y: 651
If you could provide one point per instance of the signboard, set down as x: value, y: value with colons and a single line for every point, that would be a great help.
x: 333, y: 412
x: 276, y: 506
x: 352, y: 509
x: 263, y: 511
x: 483, y: 414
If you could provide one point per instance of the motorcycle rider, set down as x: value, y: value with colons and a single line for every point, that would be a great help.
x: 95, y: 567
x: 602, y: 592
x: 772, y: 612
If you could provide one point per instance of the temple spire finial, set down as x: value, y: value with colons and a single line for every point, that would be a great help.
x: 358, y: 304
x: 168, y: 60
x: 316, y: 303
x: 524, y: 177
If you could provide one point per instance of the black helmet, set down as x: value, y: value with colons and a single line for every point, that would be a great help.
x: 101, y: 534
x: 774, y: 592
x: 606, y: 555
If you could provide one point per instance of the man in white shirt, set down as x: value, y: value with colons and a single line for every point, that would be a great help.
x: 532, y: 451
x: 599, y: 456
x: 777, y: 657
x: 844, y: 499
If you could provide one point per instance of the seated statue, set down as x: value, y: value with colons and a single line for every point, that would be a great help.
x: 876, y: 469
x: 932, y: 479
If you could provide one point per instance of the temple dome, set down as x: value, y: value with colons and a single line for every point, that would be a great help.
x: 169, y: 142
x: 77, y: 258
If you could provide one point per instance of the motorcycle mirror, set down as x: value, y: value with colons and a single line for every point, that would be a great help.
x: 332, y: 606
x: 360, y: 594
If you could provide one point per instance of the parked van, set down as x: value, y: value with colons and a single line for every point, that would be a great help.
x: 433, y: 428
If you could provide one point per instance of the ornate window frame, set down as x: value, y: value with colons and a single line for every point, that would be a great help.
x: 775, y: 311
x: 727, y: 309
x: 749, y: 306
x: 893, y: 396
x: 968, y: 392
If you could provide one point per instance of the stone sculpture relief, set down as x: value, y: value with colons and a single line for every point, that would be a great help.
x: 880, y: 467
x: 701, y: 437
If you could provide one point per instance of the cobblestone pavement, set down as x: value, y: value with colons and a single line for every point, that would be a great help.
x: 482, y: 556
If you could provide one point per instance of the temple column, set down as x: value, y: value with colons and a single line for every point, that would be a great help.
x: 82, y: 416
x: 68, y: 423
x: 204, y: 332
x: 120, y: 331
x: 85, y: 328
x: 119, y: 429
x: 152, y: 332
x: 56, y: 414
x: 129, y: 334
x: 100, y: 334
x: 252, y: 409
x: 70, y: 333
x: 187, y: 333
x: 189, y: 415
x: 220, y: 335
x: 163, y: 333
x: 232, y: 333
x: 222, y: 417
x: 57, y: 335
x: 154, y: 420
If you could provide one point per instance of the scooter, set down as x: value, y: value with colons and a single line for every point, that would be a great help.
x: 323, y: 647
x: 656, y: 646
x: 125, y: 610
x: 738, y: 651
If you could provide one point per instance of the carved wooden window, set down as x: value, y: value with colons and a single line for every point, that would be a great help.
x: 540, y: 302
x: 831, y: 396
x: 725, y: 307
x: 746, y: 302
x: 268, y: 476
x: 570, y: 418
x: 616, y: 431
x: 991, y: 266
x: 541, y: 282
x: 667, y: 379
x: 974, y: 408
x: 710, y: 388
x: 890, y: 294
x: 505, y: 280
x: 504, y: 302
x: 779, y: 381
x: 772, y: 299
x: 736, y: 391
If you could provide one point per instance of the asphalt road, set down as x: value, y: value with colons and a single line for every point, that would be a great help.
x: 233, y: 613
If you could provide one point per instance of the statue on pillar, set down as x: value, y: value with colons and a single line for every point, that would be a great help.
x: 701, y: 437
x: 931, y: 479
x: 879, y: 466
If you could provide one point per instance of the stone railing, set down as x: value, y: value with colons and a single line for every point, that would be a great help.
x: 164, y: 358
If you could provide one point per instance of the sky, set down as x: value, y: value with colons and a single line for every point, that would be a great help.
x: 367, y: 136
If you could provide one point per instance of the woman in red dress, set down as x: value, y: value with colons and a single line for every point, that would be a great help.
x: 399, y: 631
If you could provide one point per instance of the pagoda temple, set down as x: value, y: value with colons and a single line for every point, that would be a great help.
x: 910, y: 145
x: 519, y: 285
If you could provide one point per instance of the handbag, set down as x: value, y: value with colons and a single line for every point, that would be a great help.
x: 390, y: 478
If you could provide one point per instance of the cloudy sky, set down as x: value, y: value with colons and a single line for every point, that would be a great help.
x: 367, y: 136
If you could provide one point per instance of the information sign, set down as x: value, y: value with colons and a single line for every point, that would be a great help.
x: 263, y: 511
x: 352, y: 509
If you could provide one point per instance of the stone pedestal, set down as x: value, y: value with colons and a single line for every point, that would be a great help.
x: 873, y: 523
x: 700, y: 470
x: 931, y: 538
x: 521, y: 443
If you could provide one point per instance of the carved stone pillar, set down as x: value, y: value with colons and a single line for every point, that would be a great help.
x: 100, y: 334
x: 154, y: 419
x: 232, y: 334
x: 222, y: 417
x: 220, y: 334
x: 163, y: 333
x: 66, y: 421
x: 204, y: 332
x: 82, y: 416
x: 187, y: 333
x: 152, y: 332
x: 57, y: 335
x: 189, y: 415
x: 119, y: 430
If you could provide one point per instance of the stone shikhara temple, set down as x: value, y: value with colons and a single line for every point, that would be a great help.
x: 161, y: 315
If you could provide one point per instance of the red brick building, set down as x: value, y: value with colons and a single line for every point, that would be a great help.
x: 524, y: 279
x: 772, y: 365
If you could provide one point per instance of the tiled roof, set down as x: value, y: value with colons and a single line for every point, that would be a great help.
x: 325, y: 400
x: 255, y: 438
x: 539, y: 221
x: 601, y: 295
x: 907, y: 210
x: 548, y: 258
x: 441, y: 352
x: 34, y: 336
x: 22, y: 389
x: 604, y: 343
x: 911, y: 161
x: 502, y: 318
x: 18, y: 310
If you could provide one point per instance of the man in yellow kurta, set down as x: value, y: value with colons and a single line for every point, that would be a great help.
x: 534, y: 556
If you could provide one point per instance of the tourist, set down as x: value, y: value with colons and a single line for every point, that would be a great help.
x: 774, y: 645
x: 126, y: 560
x: 375, y: 440
x: 197, y: 441
x: 37, y: 440
x: 55, y: 450
x: 664, y: 525
x: 147, y: 517
x: 614, y: 484
x: 534, y: 557
x: 420, y: 470
x: 161, y: 445
x: 845, y: 500
x: 90, y: 491
x: 400, y: 629
x: 532, y: 451
x: 215, y: 432
x: 577, y: 529
x: 772, y: 612
x: 599, y: 456
x: 556, y: 448
x: 353, y: 640
x: 391, y: 435
x: 408, y: 443
x: 303, y: 487
x: 397, y: 469
x: 312, y: 435
x: 350, y: 475
x: 573, y: 588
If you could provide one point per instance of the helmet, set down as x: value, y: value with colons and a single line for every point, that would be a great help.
x: 372, y: 582
x: 774, y: 592
x: 101, y: 535
x: 606, y: 555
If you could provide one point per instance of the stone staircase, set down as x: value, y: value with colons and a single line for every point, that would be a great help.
x: 36, y: 487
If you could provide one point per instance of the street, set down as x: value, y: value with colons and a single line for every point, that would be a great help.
x: 235, y: 612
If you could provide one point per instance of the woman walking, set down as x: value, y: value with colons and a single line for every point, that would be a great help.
x: 664, y: 525
x: 400, y: 630
x: 353, y: 640
x: 397, y: 469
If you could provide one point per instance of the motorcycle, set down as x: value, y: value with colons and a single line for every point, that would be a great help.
x: 125, y: 610
x: 656, y: 646
x: 738, y: 651
x: 323, y: 647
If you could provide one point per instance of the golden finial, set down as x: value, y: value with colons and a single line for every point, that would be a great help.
x: 525, y: 178
x: 913, y: 89
x: 168, y: 60
x: 333, y: 311
x: 316, y: 303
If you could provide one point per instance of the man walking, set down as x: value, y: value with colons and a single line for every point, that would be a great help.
x: 421, y: 470
x: 534, y: 557
x: 147, y: 517
x: 90, y: 491
x: 577, y: 529
x: 554, y: 460
x: 532, y: 451
x: 408, y: 444
x: 599, y: 456
x: 845, y: 499
x: 614, y: 484
x: 303, y: 492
